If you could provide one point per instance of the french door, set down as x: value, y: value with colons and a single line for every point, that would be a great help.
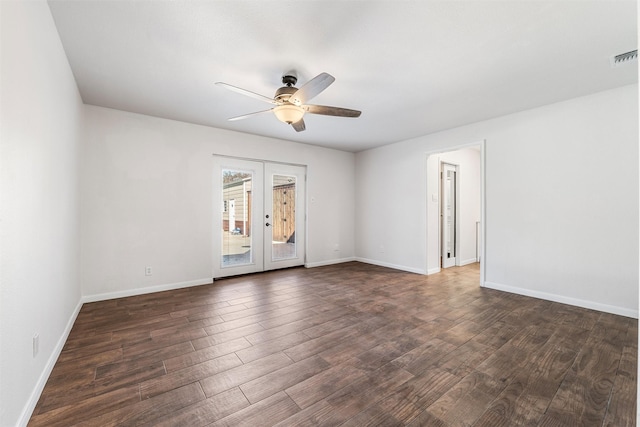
x: 259, y: 216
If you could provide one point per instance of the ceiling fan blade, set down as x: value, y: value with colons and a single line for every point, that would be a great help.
x: 312, y: 88
x: 331, y: 111
x: 244, y: 116
x: 247, y: 93
x: 299, y: 125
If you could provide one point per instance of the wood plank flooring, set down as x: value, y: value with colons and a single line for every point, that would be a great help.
x: 350, y: 344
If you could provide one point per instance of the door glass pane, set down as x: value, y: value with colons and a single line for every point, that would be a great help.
x: 283, y: 230
x: 236, y: 217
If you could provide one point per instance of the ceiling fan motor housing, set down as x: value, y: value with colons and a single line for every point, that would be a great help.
x: 287, y: 112
x: 284, y: 93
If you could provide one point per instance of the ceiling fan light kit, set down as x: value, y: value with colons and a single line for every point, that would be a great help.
x: 288, y: 113
x: 290, y: 101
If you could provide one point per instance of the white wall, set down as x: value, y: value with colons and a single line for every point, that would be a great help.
x: 561, y: 200
x: 147, y: 200
x: 469, y: 183
x: 391, y: 202
x: 41, y: 114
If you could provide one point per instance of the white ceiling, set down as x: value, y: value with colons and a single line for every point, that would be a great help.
x: 412, y: 67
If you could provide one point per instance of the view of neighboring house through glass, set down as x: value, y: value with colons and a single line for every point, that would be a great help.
x: 236, y: 217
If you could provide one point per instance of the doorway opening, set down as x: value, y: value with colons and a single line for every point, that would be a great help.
x: 455, y: 208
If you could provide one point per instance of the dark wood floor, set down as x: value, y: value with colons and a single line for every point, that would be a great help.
x: 350, y: 344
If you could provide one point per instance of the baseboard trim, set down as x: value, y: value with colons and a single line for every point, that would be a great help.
x: 48, y: 368
x: 329, y: 262
x: 147, y: 290
x: 390, y: 265
x: 434, y: 270
x: 467, y: 262
x: 621, y: 311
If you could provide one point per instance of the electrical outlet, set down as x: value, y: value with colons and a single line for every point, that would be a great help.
x: 148, y: 271
x: 36, y: 344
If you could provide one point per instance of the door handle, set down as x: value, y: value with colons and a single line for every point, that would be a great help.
x: 267, y: 224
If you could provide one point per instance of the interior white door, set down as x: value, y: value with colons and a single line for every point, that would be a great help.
x: 448, y: 205
x: 258, y: 216
x: 284, y: 216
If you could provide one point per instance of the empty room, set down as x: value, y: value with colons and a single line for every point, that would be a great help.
x: 332, y: 213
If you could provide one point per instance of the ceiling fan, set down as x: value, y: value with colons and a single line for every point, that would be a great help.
x: 291, y: 102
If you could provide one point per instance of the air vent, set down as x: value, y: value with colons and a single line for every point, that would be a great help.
x: 624, y: 58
